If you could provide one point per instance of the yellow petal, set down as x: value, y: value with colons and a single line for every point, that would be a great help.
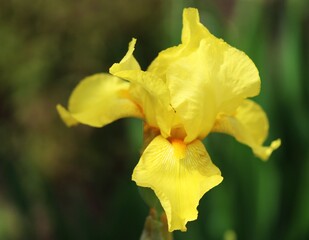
x: 147, y: 89
x: 249, y: 125
x: 231, y: 73
x: 192, y: 33
x: 192, y: 93
x: 128, y: 62
x: 67, y: 118
x: 101, y: 99
x: 179, y: 174
x: 205, y: 76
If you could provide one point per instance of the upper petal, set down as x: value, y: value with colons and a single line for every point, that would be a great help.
x: 179, y: 174
x: 205, y: 76
x: 129, y: 69
x: 147, y: 89
x: 99, y: 100
x: 192, y: 94
x: 128, y: 62
x: 192, y: 33
x: 249, y: 125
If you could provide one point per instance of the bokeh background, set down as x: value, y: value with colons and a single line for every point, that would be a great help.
x: 74, y: 183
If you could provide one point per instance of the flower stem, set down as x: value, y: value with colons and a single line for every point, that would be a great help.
x: 156, y: 227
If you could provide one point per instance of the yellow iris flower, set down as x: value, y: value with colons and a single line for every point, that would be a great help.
x: 188, y: 91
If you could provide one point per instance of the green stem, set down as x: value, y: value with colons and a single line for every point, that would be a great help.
x: 156, y: 227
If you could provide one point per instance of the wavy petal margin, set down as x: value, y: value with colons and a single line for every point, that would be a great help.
x: 205, y: 76
x: 179, y: 174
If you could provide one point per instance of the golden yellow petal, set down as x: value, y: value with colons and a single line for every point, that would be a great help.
x: 180, y: 174
x: 249, y: 125
x: 101, y: 99
x: 66, y: 116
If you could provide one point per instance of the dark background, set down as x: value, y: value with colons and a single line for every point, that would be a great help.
x: 74, y: 183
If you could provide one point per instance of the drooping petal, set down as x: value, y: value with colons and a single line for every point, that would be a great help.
x: 179, y: 174
x: 99, y: 100
x: 147, y: 89
x: 66, y: 116
x: 249, y: 125
x: 205, y: 76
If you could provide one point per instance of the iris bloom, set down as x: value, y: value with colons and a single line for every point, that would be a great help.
x: 190, y: 90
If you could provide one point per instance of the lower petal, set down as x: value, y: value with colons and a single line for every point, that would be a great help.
x: 179, y: 174
x: 249, y: 125
x: 66, y: 116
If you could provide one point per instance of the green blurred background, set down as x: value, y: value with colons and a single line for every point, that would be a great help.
x: 61, y: 183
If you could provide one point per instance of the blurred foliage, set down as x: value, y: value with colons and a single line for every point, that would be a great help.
x: 60, y: 183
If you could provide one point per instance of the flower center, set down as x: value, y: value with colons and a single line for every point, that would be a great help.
x: 179, y: 148
x: 178, y: 133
